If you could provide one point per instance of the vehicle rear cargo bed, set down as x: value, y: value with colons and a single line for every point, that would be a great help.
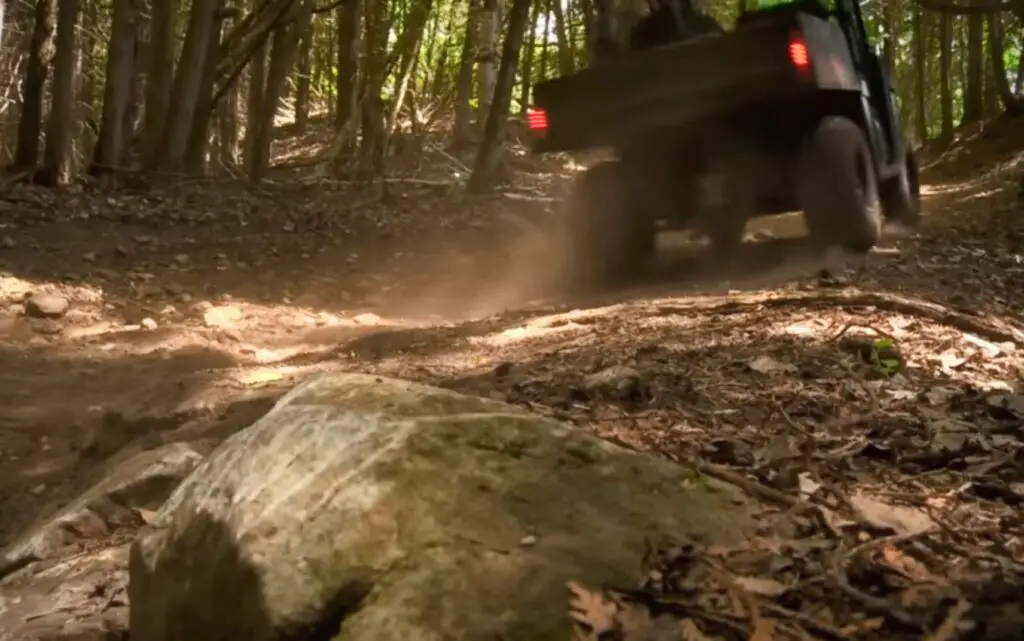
x: 664, y: 88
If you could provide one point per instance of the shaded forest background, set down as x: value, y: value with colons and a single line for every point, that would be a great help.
x: 166, y: 87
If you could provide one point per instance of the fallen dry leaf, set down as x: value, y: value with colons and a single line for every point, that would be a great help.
x: 899, y: 519
x: 760, y: 585
x: 591, y: 612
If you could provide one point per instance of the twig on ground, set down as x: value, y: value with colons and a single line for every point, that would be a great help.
x: 947, y: 630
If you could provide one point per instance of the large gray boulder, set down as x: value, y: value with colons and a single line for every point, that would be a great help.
x: 364, y: 509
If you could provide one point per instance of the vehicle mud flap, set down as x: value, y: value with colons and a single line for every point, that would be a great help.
x: 610, y: 237
x: 837, y: 187
x: 901, y: 195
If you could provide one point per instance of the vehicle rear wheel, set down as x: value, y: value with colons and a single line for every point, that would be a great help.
x: 837, y: 187
x: 726, y: 198
x: 610, y: 235
x: 901, y: 195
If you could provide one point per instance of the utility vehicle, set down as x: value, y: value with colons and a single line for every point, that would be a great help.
x: 790, y: 110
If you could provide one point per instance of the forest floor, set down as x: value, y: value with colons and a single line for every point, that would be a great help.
x: 182, y: 311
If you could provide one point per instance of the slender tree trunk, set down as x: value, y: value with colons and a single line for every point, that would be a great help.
x: 371, y: 151
x: 945, y: 81
x: 40, y: 56
x: 462, y: 131
x: 57, y: 154
x: 254, y: 104
x: 487, y: 69
x: 199, y: 135
x: 1011, y: 103
x: 974, y: 99
x: 565, y: 62
x: 117, y: 91
x: 159, y: 79
x: 920, y: 101
x: 527, y: 71
x: 283, y: 48
x: 488, y: 159
x: 305, y: 26
x: 349, y: 15
x: 188, y: 81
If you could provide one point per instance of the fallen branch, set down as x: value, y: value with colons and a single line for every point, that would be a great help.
x: 993, y: 329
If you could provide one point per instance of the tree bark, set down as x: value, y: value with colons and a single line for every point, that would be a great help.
x: 188, y: 80
x: 349, y: 33
x: 284, y: 45
x: 488, y: 158
x: 305, y: 26
x: 159, y: 79
x: 199, y: 134
x: 462, y: 131
x: 117, y: 90
x: 487, y: 59
x: 56, y: 156
x: 40, y: 56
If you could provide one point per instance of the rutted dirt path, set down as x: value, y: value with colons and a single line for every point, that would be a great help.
x: 189, y: 311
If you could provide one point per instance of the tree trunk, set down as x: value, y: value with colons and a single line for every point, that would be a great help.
x: 974, y: 99
x: 349, y: 33
x: 305, y: 26
x: 159, y: 79
x: 945, y: 80
x: 227, y: 128
x: 56, y: 156
x: 565, y: 62
x: 488, y: 158
x: 371, y: 151
x: 1011, y: 103
x: 199, y: 135
x: 188, y: 80
x: 117, y: 90
x: 487, y: 70
x: 920, y: 100
x: 40, y: 56
x: 282, y: 57
x: 992, y: 106
x: 526, y: 73
x: 254, y: 104
x: 407, y: 48
x: 462, y: 131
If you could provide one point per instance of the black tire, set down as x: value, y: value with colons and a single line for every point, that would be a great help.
x: 610, y: 235
x: 901, y: 195
x: 837, y: 187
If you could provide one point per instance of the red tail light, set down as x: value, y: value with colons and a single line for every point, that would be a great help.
x: 536, y: 120
x: 798, y: 54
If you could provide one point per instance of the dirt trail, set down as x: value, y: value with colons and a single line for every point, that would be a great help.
x: 190, y: 309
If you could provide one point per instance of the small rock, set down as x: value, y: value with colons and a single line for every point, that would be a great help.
x: 367, y: 318
x: 89, y: 257
x: 768, y: 365
x: 148, y: 323
x: 49, y: 327
x: 7, y: 242
x: 182, y: 259
x: 528, y: 541
x: 38, y: 489
x: 619, y: 381
x: 46, y: 306
x: 222, y: 316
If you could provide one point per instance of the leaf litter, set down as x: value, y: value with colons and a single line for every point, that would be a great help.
x: 885, y: 445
